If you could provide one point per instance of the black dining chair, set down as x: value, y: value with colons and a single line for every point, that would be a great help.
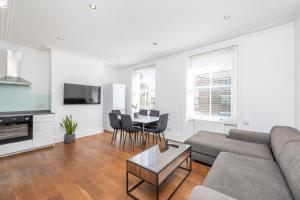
x: 127, y: 126
x: 116, y: 111
x: 143, y: 112
x: 154, y: 113
x: 162, y: 125
x: 115, y: 123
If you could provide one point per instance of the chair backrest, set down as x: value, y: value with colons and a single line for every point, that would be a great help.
x: 127, y: 123
x: 114, y: 121
x: 143, y: 112
x: 162, y: 122
x: 154, y: 113
x: 116, y: 111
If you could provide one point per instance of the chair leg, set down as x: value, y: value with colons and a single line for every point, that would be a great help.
x: 156, y: 138
x: 130, y: 140
x: 116, y: 134
x: 163, y: 136
x: 159, y: 137
x: 121, y: 137
x: 112, y: 137
x: 153, y: 138
x: 124, y: 139
x: 133, y: 138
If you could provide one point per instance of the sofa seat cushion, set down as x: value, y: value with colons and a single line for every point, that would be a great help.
x: 247, y: 178
x: 212, y: 144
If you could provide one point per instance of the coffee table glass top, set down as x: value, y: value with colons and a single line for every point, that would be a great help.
x: 155, y: 160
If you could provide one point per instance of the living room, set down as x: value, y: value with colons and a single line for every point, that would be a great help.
x: 149, y: 100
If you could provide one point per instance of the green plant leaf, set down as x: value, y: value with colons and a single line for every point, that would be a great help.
x: 69, y: 125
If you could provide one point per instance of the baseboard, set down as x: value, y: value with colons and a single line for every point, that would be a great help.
x: 81, y: 134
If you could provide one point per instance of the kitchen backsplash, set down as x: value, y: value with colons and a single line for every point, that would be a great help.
x: 20, y: 98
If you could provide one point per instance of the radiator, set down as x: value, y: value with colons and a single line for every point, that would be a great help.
x: 200, y: 125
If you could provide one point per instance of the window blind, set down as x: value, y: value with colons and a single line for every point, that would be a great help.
x: 212, y: 75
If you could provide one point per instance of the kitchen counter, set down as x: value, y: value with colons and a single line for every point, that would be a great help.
x: 18, y: 113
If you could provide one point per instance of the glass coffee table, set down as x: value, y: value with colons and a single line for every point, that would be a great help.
x: 154, y: 166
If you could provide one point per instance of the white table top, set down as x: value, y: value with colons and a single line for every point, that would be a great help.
x: 145, y: 119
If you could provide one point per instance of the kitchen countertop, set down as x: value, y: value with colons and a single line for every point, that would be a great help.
x: 18, y: 113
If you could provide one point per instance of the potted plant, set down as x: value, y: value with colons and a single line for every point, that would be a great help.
x: 70, y: 126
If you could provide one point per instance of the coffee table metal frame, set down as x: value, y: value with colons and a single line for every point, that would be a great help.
x: 157, y: 185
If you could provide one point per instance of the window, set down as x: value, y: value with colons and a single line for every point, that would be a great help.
x: 211, y: 85
x: 143, y: 88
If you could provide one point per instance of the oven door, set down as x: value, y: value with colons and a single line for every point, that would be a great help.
x: 15, y: 129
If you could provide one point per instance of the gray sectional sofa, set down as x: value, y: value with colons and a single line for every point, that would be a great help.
x: 248, y: 165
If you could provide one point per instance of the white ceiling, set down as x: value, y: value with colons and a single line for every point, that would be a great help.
x: 128, y: 28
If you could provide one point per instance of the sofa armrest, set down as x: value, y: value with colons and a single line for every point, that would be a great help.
x: 205, y: 193
x: 249, y: 136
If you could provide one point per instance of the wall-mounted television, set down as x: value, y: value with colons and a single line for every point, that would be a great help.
x: 81, y: 94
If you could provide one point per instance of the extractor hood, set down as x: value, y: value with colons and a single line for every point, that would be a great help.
x: 10, y: 68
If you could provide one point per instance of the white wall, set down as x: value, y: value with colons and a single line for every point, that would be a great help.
x: 69, y: 68
x: 109, y: 75
x: 266, y: 83
x: 297, y: 34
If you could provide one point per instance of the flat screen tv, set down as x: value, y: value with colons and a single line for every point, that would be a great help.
x: 81, y: 94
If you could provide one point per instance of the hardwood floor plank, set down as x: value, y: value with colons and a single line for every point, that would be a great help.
x: 91, y: 169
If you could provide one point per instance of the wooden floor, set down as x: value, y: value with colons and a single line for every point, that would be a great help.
x: 91, y: 168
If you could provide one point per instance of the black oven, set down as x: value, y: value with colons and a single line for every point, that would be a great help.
x: 15, y: 128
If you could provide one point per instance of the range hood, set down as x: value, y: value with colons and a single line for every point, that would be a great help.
x: 10, y: 68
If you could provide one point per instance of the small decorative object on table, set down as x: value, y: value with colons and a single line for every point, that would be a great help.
x: 70, y: 126
x: 135, y: 113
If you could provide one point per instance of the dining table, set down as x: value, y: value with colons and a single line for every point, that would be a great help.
x: 143, y: 121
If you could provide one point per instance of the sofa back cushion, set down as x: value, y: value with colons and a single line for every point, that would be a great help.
x: 289, y: 162
x: 285, y: 143
x: 280, y: 136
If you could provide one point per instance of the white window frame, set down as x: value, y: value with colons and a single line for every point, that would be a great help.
x: 190, y: 87
x: 136, y: 92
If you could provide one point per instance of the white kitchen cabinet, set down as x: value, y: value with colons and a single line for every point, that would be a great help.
x: 43, y: 130
x: 12, y: 148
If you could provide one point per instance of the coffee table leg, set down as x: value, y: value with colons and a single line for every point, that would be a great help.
x: 127, y: 182
x: 190, y: 160
x: 157, y: 192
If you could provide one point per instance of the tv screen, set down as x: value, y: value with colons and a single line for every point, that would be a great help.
x: 81, y: 94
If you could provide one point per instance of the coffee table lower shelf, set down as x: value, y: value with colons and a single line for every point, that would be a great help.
x: 157, y: 179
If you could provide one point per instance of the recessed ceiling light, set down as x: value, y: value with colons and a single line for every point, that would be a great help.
x: 93, y: 6
x: 60, y: 38
x: 154, y: 43
x: 3, y: 3
x: 226, y: 17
